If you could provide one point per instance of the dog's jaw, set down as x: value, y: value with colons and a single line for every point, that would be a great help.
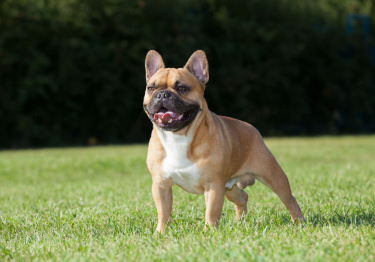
x: 168, y: 120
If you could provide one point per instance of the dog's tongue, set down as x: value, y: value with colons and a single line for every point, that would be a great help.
x: 164, y: 116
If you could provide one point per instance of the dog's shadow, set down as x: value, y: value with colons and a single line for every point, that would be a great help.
x: 353, y: 216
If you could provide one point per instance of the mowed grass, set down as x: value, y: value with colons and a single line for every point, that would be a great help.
x: 95, y: 204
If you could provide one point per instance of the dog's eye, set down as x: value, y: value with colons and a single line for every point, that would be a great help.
x: 150, y: 88
x: 181, y: 88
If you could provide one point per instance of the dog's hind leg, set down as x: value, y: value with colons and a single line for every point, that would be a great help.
x: 239, y: 198
x: 267, y: 170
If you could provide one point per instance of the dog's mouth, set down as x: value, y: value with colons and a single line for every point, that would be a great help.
x: 165, y: 116
x: 172, y: 121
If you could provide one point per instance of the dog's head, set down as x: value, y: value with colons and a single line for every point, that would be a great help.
x: 174, y: 96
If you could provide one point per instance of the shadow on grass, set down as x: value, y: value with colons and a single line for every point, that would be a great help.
x: 356, y: 217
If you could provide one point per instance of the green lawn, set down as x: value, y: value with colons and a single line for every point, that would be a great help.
x: 95, y: 204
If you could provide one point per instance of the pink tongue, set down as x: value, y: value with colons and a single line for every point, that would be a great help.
x: 165, y: 116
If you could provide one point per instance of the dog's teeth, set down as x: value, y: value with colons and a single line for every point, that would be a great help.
x: 170, y: 121
x: 159, y: 120
x: 180, y: 117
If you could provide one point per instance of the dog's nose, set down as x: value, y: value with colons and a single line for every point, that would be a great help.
x: 163, y: 95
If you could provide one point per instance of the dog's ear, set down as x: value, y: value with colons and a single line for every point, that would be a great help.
x: 198, y: 66
x: 153, y: 63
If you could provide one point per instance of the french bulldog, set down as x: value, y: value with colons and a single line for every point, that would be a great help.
x: 201, y: 152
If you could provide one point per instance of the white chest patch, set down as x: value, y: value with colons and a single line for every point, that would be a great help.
x: 176, y: 165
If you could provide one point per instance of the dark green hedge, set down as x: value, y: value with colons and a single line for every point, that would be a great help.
x: 74, y: 70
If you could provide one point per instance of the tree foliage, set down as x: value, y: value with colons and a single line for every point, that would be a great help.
x: 74, y: 70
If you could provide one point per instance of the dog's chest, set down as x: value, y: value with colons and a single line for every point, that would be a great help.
x: 176, y: 165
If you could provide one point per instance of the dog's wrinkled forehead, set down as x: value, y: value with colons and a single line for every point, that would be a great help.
x: 170, y: 77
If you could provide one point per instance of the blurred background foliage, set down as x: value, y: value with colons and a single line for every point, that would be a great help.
x: 72, y: 72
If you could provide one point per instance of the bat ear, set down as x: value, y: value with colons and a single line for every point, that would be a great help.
x: 198, y: 66
x: 153, y: 63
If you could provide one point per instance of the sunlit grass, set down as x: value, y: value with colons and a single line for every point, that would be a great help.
x: 87, y: 204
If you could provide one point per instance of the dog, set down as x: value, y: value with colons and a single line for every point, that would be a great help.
x: 202, y: 152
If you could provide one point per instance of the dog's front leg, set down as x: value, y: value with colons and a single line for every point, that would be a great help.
x: 163, y: 199
x: 214, y: 195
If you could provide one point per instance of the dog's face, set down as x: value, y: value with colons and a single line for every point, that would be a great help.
x: 173, y: 96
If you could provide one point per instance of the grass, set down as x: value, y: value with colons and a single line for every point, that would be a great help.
x: 95, y: 204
